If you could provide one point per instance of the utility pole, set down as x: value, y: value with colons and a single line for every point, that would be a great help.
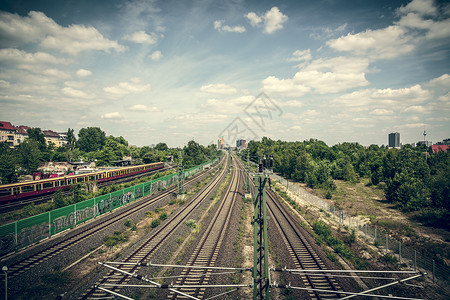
x: 425, y: 143
x: 247, y: 178
x: 5, y: 269
x: 180, y: 174
x: 261, y: 275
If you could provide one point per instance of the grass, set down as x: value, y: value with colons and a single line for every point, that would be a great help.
x: 117, y: 238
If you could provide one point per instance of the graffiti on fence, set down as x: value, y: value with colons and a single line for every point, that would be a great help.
x: 112, y: 202
x: 72, y: 219
x: 29, y: 235
x: 11, y: 239
x: 7, y: 244
x: 138, y: 193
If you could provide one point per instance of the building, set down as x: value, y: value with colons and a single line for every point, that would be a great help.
x: 15, y: 135
x: 7, y: 133
x: 394, y: 140
x: 21, y: 134
x: 241, y: 144
x: 439, y: 148
x: 220, y: 144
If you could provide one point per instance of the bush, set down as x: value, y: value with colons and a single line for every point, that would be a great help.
x: 438, y: 217
x: 191, y: 223
x: 163, y: 216
x: 116, y: 238
x: 155, y: 223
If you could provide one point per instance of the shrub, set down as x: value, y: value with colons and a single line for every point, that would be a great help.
x: 116, y: 238
x: 163, y: 216
x: 191, y: 223
x: 155, y: 223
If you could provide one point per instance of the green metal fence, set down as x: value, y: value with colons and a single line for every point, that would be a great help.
x: 19, y: 234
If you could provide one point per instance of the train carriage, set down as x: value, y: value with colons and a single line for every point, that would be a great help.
x: 17, y: 191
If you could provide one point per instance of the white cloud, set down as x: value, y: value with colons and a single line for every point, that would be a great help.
x: 301, y: 55
x: 383, y: 43
x: 415, y: 125
x: 83, y: 73
x: 381, y: 112
x: 219, y: 88
x: 74, y: 93
x: 124, y: 88
x: 199, y: 119
x: 423, y: 7
x: 143, y: 108
x: 23, y: 59
x: 416, y: 109
x: 38, y: 28
x: 254, y: 19
x: 218, y: 25
x: 75, y: 84
x: 379, y: 98
x: 157, y: 55
x: 111, y: 115
x: 414, y: 26
x: 321, y: 76
x: 273, y: 20
x: 291, y: 103
x: 310, y: 113
x: 274, y: 85
x: 227, y: 106
x: 4, y: 83
x: 327, y: 32
x: 141, y: 37
x: 442, y: 81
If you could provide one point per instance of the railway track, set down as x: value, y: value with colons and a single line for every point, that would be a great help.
x: 85, y: 232
x: 301, y: 251
x: 207, y: 250
x: 143, y: 253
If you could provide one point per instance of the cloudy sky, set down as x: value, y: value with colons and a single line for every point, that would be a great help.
x: 172, y: 71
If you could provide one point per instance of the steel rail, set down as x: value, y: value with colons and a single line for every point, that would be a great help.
x: 149, y: 246
x: 34, y: 259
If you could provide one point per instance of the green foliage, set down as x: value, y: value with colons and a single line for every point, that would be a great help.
x: 29, y: 155
x: 7, y: 165
x: 338, y: 245
x: 155, y: 223
x: 117, y: 238
x: 71, y: 139
x: 91, y: 139
x: 163, y: 216
x: 411, y: 182
x: 191, y: 223
x: 161, y: 147
x: 59, y: 199
x: 35, y: 134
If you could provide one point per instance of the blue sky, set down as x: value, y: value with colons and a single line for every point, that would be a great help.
x: 172, y: 71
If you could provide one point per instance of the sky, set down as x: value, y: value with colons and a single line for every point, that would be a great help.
x: 174, y: 71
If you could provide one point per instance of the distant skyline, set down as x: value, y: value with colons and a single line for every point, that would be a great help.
x: 173, y: 71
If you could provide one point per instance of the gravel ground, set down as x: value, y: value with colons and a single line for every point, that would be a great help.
x: 160, y: 256
x: 34, y: 283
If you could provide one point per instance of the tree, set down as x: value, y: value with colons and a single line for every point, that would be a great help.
x: 91, y: 139
x: 7, y: 165
x: 71, y: 139
x: 29, y: 155
x: 37, y: 135
x: 161, y: 147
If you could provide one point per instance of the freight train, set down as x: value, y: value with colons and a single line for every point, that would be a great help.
x: 17, y: 191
